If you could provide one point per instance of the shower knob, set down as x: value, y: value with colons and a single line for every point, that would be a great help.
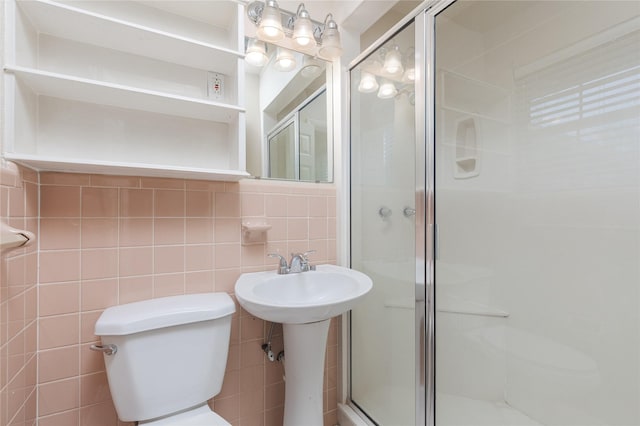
x: 384, y: 212
x: 408, y: 212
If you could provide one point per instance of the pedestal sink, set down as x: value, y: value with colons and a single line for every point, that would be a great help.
x: 304, y: 303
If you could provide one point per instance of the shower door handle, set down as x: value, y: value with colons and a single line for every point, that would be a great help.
x: 408, y: 212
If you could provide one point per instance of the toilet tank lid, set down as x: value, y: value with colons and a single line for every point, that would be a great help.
x: 163, y: 312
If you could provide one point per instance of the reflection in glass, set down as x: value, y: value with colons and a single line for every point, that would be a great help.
x: 274, y: 97
x: 368, y: 82
x: 256, y: 53
x: 393, y: 61
x: 285, y: 61
x: 282, y: 152
x: 387, y: 90
x: 298, y: 147
x: 313, y: 149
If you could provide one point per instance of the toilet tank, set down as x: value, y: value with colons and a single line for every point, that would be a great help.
x: 171, y: 352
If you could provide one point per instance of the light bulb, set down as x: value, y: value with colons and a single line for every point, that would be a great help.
x: 368, y: 83
x: 303, y: 28
x: 393, y: 62
x: 387, y: 90
x: 270, y: 28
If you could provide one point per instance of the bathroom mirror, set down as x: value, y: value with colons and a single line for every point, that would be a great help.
x: 288, y: 103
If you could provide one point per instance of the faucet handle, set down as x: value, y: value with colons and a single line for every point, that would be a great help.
x: 304, y: 255
x: 283, y: 267
x: 303, y: 259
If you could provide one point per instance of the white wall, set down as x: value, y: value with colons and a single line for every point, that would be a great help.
x: 254, y: 130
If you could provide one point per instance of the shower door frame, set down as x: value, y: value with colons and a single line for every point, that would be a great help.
x: 428, y: 20
x: 425, y: 249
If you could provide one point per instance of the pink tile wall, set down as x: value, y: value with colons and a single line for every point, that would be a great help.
x: 18, y: 301
x: 107, y: 240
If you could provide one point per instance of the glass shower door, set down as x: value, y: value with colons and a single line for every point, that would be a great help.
x: 383, y: 231
x: 537, y: 195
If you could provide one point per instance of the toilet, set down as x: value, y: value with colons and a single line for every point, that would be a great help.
x: 166, y: 357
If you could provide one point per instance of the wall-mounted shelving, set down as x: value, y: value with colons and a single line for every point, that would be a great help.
x: 117, y: 95
x: 121, y: 87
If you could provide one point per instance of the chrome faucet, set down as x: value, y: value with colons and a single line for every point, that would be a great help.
x: 299, y: 263
x: 283, y: 267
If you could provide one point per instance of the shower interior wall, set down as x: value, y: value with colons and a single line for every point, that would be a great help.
x: 518, y: 242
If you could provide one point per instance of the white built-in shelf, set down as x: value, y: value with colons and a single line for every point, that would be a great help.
x: 59, y: 164
x: 125, y: 87
x: 117, y: 95
x: 69, y: 22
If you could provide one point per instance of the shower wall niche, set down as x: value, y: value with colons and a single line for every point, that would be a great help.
x: 477, y: 119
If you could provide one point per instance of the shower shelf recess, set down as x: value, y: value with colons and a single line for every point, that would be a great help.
x: 121, y: 87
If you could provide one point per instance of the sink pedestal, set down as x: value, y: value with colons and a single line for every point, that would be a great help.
x: 305, y: 346
x: 304, y: 304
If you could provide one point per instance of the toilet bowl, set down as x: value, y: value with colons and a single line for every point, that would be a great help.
x: 165, y: 358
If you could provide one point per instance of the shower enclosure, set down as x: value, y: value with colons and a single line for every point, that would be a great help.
x: 495, y: 202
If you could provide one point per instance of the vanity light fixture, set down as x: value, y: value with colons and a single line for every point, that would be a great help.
x: 303, y: 29
x: 368, y: 83
x: 270, y: 27
x: 285, y: 61
x: 387, y: 90
x: 330, y: 47
x: 275, y: 24
x: 256, y: 53
x: 396, y: 70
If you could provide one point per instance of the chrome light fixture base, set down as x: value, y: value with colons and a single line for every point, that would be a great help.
x: 299, y: 27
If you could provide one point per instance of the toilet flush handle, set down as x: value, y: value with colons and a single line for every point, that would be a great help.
x: 106, y: 349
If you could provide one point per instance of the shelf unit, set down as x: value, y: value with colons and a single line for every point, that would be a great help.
x: 123, y: 87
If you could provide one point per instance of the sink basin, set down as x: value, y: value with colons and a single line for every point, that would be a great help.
x: 303, y: 297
